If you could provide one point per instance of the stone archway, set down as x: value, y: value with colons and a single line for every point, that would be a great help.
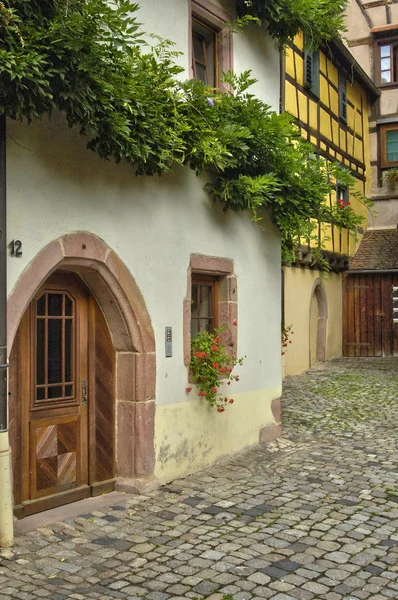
x: 130, y: 326
x: 318, y: 321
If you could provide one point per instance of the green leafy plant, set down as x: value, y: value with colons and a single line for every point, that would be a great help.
x: 286, y: 332
x: 211, y: 365
x: 392, y: 175
x: 321, y: 20
x: 86, y: 59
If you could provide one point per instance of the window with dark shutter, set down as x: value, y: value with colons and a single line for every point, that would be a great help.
x: 311, y: 71
x: 342, y: 97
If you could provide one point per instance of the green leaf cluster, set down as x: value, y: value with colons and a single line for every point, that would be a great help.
x: 321, y: 20
x: 86, y: 58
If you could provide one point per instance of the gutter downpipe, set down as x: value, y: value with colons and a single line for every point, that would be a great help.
x: 6, y: 497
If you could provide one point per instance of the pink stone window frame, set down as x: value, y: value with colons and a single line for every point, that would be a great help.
x: 222, y: 269
x: 215, y: 18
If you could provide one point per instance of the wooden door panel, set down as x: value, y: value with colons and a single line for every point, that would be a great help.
x: 368, y: 325
x: 55, y: 455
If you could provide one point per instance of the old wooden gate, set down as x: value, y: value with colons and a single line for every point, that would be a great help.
x: 368, y: 326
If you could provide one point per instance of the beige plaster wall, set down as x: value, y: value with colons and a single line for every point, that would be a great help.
x: 198, y: 437
x: 299, y: 283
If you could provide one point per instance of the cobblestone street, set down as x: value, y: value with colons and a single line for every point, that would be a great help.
x: 313, y: 515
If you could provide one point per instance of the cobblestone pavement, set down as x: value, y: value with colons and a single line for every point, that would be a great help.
x: 313, y: 515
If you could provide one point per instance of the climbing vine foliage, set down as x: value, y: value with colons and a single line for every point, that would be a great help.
x: 86, y: 58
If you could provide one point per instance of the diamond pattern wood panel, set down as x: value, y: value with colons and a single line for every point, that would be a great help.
x: 56, y: 455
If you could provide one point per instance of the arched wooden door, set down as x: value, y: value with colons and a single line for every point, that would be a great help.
x: 61, y: 398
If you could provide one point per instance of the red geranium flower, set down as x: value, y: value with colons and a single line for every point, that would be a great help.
x: 202, y: 394
x: 214, y: 390
x: 214, y: 348
x: 215, y: 365
x: 220, y: 409
x: 188, y: 389
x: 231, y: 401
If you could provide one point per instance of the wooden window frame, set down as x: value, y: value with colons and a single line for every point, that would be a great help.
x: 208, y: 281
x: 312, y: 71
x: 221, y: 272
x: 214, y: 18
x: 384, y: 163
x: 394, y: 55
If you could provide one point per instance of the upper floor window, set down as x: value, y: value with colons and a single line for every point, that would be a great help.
x: 204, y: 53
x: 211, y: 43
x: 388, y: 62
x: 389, y: 145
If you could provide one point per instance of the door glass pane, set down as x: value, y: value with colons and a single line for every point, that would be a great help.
x: 41, y: 305
x: 55, y: 305
x: 54, y: 351
x: 40, y: 347
x: 68, y: 306
x: 69, y: 390
x: 55, y: 392
x: 68, y: 350
x: 40, y: 393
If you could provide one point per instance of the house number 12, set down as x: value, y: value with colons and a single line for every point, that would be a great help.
x: 15, y: 246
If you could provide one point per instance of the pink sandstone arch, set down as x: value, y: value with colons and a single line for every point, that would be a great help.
x: 121, y: 301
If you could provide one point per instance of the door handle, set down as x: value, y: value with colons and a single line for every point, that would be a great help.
x: 84, y: 392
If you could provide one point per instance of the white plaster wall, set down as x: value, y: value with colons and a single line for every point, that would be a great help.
x: 252, y: 48
x: 56, y: 186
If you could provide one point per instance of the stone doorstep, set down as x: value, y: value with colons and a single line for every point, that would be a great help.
x: 67, y: 511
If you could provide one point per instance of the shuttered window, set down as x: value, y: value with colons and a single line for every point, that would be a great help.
x: 342, y: 97
x: 389, y: 145
x: 311, y: 71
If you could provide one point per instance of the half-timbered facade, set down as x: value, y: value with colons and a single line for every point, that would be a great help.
x: 329, y: 95
x: 371, y: 284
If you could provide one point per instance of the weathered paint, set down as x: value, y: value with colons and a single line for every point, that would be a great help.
x: 185, y: 447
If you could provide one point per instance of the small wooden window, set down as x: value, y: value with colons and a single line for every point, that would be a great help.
x: 342, y: 97
x: 204, y: 53
x: 203, y: 304
x: 388, y: 62
x: 389, y: 145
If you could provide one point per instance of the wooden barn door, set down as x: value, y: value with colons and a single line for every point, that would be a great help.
x: 368, y: 328
x: 62, y: 420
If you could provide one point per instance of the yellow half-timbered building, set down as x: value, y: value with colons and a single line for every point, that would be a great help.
x: 330, y: 97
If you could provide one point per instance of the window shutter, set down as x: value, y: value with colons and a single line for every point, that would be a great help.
x: 308, y: 69
x: 342, y: 97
